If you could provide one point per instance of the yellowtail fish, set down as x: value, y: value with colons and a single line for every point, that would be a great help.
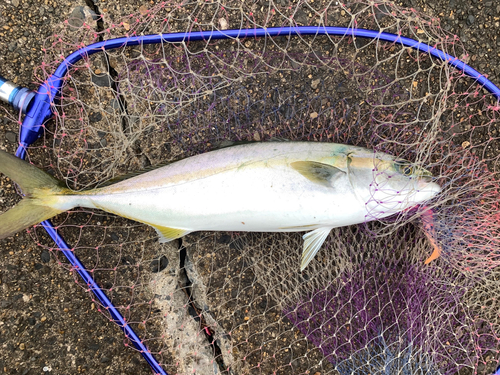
x: 255, y: 187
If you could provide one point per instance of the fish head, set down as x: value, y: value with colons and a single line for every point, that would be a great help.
x: 388, y: 185
x: 415, y: 181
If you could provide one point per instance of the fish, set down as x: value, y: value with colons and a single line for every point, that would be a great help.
x: 271, y: 186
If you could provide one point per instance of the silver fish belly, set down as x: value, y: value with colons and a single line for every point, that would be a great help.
x: 257, y: 187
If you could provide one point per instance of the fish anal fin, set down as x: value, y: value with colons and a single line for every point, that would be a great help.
x: 300, y: 228
x: 168, y: 234
x: 165, y: 234
x: 319, y: 173
x: 312, y: 243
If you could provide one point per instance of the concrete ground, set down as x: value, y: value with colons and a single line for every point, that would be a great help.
x: 47, y: 322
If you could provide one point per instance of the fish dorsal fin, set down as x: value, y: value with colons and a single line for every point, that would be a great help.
x: 316, y: 172
x: 126, y: 176
x: 312, y: 243
x: 228, y: 143
x: 279, y: 139
x: 220, y: 145
x: 167, y: 234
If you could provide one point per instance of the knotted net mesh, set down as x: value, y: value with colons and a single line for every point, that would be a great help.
x: 236, y: 303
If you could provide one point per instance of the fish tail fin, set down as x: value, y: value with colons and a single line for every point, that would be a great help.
x: 23, y: 215
x: 40, y: 191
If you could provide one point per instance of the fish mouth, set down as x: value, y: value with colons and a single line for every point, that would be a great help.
x: 424, y: 174
x: 426, y: 184
x: 426, y: 178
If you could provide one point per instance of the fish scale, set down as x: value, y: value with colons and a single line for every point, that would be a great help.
x: 256, y: 187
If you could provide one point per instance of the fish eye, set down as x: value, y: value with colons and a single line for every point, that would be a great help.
x: 408, y: 170
x: 404, y: 167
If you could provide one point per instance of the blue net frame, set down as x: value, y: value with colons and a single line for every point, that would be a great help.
x: 40, y: 112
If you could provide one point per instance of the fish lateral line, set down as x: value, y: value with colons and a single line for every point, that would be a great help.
x: 329, y: 183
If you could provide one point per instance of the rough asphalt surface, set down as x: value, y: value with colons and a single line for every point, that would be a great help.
x: 47, y: 322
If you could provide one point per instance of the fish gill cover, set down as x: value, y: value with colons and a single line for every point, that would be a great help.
x: 236, y: 302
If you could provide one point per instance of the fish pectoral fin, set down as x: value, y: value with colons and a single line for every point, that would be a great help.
x: 316, y: 172
x: 167, y: 234
x: 312, y: 243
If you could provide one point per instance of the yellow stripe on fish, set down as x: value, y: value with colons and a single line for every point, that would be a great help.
x: 257, y: 187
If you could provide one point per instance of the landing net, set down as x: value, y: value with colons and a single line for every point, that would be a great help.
x: 236, y: 303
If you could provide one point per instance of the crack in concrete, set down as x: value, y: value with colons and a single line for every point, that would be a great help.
x: 196, y: 312
x: 120, y: 98
x: 185, y: 283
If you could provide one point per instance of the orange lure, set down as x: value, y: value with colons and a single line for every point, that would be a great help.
x: 430, y: 232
